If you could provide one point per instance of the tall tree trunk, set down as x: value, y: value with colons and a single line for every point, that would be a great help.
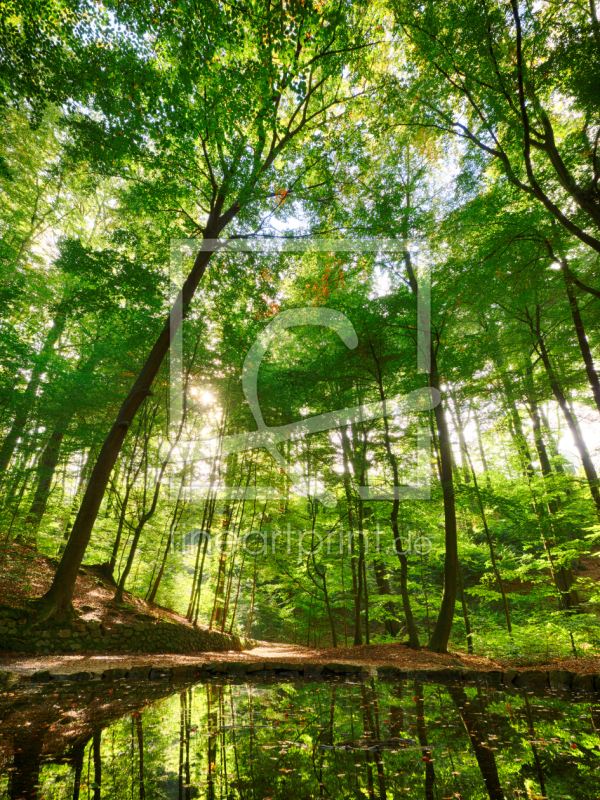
x: 463, y: 601
x: 58, y: 598
x: 413, y: 634
x: 488, y: 536
x: 588, y: 466
x: 97, y: 765
x: 80, y: 484
x: 176, y: 516
x: 140, y: 739
x: 584, y: 346
x: 552, y: 445
x: 130, y: 480
x: 561, y: 576
x: 536, y: 422
x: 422, y: 736
x: 481, y: 447
x: 146, y: 516
x: 219, y: 601
x: 515, y: 417
x: 251, y: 614
x: 45, y: 474
x: 391, y: 625
x: 28, y: 399
x: 438, y: 642
x: 78, y: 755
x: 478, y: 739
x: 356, y: 574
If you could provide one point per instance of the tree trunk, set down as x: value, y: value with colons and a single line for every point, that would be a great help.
x: 58, y: 598
x: 45, y: 474
x: 140, y: 739
x: 519, y: 433
x: 356, y: 575
x: 391, y: 625
x: 488, y: 536
x: 413, y: 634
x: 251, y: 614
x: 536, y: 423
x: 16, y: 431
x: 481, y: 448
x: 422, y: 736
x: 463, y: 602
x: 588, y: 466
x: 152, y: 595
x: 438, y: 642
x: 478, y: 738
x: 584, y: 346
x: 97, y: 765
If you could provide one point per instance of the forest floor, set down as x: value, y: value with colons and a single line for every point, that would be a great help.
x: 25, y: 574
x: 371, y: 655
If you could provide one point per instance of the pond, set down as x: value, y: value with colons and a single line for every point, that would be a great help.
x: 291, y: 740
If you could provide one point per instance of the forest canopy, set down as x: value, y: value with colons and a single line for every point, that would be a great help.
x: 299, y: 310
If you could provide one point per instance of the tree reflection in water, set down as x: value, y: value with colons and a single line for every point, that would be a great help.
x: 287, y: 740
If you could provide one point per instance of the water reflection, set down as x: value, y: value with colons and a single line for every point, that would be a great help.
x: 163, y: 741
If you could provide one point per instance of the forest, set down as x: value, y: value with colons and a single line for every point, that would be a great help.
x: 300, y: 310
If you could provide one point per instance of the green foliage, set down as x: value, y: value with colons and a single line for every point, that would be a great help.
x: 307, y: 119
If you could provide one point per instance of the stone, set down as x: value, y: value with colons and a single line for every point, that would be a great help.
x: 214, y: 666
x: 236, y: 668
x: 43, y: 676
x: 277, y: 665
x: 159, y: 672
x: 114, y: 673
x: 75, y: 677
x: 186, y: 671
x: 443, y: 672
x: 254, y: 666
x: 312, y: 670
x: 64, y: 634
x: 367, y: 671
x: 560, y: 678
x: 510, y: 675
x: 531, y: 677
x: 583, y: 683
x: 343, y: 667
x: 139, y: 672
x: 388, y: 671
x: 10, y: 613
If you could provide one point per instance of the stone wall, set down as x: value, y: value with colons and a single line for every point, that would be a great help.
x: 21, y: 634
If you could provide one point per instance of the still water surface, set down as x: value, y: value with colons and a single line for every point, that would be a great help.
x: 296, y: 741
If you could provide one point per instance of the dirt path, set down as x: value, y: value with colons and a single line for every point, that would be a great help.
x: 372, y: 655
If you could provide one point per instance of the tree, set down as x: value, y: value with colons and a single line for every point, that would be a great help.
x: 238, y: 146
